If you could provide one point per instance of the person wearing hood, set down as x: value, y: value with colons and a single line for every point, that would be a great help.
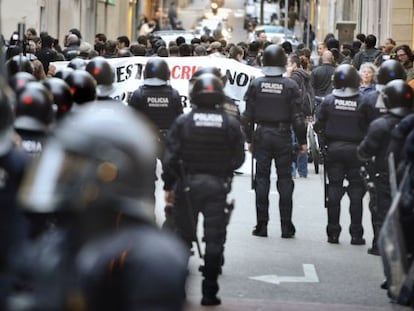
x: 397, y: 96
x: 302, y: 78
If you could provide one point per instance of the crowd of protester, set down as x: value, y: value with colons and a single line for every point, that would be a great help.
x: 312, y: 74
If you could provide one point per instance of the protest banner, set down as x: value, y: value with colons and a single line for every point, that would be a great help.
x: 129, y: 75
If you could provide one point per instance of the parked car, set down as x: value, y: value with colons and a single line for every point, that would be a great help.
x: 277, y: 34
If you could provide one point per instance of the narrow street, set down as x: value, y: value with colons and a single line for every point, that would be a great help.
x: 305, y: 273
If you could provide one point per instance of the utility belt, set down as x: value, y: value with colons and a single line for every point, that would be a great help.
x: 217, y: 173
x: 285, y: 126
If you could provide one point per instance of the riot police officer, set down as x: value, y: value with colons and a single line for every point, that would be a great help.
x: 156, y: 99
x: 396, y: 239
x: 398, y: 99
x: 18, y: 63
x: 104, y: 75
x: 20, y: 79
x: 203, y: 149
x: 82, y: 86
x: 373, y: 107
x: 273, y: 102
x: 77, y: 63
x: 13, y: 163
x: 398, y: 140
x: 342, y: 127
x: 96, y: 173
x: 34, y: 115
x: 62, y: 96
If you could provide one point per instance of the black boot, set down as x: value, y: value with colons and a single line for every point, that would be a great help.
x: 209, y: 290
x: 373, y: 250
x: 260, y: 229
x: 288, y: 230
x: 333, y: 231
x: 357, y: 241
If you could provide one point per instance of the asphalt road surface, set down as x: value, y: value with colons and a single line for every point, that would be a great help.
x: 304, y: 273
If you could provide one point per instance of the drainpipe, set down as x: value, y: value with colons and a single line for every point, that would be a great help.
x: 286, y: 13
x: 360, y: 17
x: 58, y: 18
x: 380, y: 19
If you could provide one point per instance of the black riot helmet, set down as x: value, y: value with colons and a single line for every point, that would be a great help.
x: 82, y: 86
x: 20, y: 79
x: 274, y: 60
x: 213, y: 70
x: 34, y: 110
x: 346, y: 81
x: 390, y: 70
x: 104, y: 75
x: 156, y: 72
x: 77, y: 63
x: 207, y: 91
x: 398, y: 97
x: 101, y: 157
x: 6, y: 118
x: 62, y: 97
x: 63, y: 73
x: 18, y: 63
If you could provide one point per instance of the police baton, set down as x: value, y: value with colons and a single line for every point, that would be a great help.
x: 325, y: 175
x: 365, y: 172
x: 186, y: 190
x: 392, y: 175
x: 253, y: 177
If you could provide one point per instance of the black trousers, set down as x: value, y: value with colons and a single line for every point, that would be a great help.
x: 207, y: 195
x: 382, y: 203
x: 273, y: 144
x: 342, y: 163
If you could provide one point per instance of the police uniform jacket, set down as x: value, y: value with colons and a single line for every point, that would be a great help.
x: 161, y: 104
x: 339, y: 119
x: 205, y: 141
x: 12, y: 226
x: 399, y: 135
x: 368, y: 106
x: 376, y: 142
x: 32, y: 141
x: 274, y: 101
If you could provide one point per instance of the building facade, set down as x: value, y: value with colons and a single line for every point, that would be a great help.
x: 383, y: 18
x: 112, y: 17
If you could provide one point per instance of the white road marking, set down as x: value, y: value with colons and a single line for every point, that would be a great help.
x: 310, y: 276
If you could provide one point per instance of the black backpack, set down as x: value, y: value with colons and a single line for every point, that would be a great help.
x: 308, y: 97
x: 369, y: 57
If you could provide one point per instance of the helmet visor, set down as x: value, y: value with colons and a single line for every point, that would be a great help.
x: 55, y: 179
x: 6, y: 140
